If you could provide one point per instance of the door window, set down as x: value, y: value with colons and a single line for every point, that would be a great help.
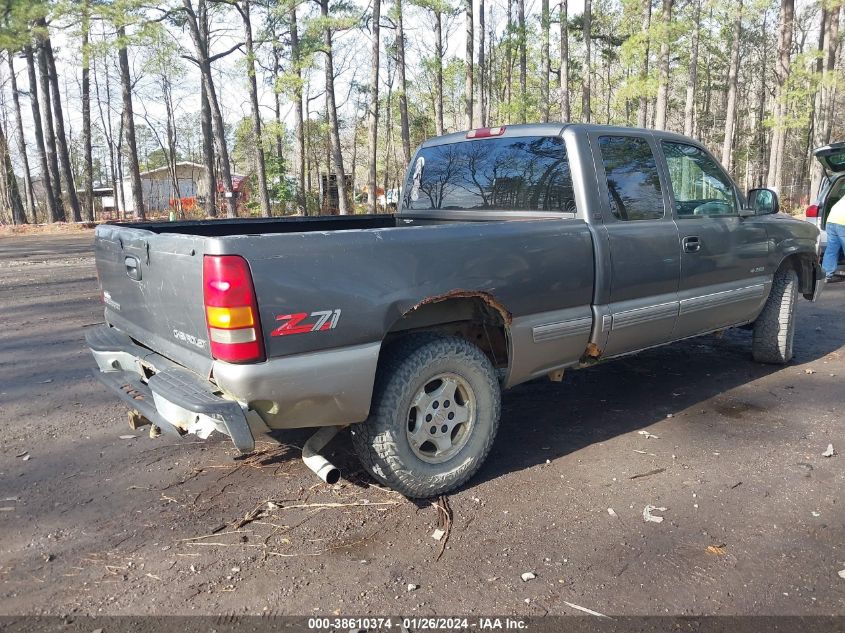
x: 700, y: 187
x: 633, y: 183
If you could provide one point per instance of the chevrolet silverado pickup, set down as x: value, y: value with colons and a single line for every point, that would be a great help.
x: 517, y: 252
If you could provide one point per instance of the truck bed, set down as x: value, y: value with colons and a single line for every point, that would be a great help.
x: 264, y: 226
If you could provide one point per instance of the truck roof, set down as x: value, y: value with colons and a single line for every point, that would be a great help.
x: 551, y: 129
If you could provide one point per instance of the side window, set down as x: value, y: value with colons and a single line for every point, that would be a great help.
x: 700, y: 186
x: 633, y: 182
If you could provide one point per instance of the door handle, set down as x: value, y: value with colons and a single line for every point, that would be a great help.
x: 692, y: 244
x: 133, y: 268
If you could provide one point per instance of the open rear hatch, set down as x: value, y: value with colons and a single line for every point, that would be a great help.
x: 152, y: 290
x: 832, y: 157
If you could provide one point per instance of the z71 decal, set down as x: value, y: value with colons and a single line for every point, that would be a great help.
x: 303, y: 323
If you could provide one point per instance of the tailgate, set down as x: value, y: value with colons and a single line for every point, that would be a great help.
x: 152, y: 290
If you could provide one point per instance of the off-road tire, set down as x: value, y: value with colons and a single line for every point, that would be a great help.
x: 381, y: 441
x: 774, y: 329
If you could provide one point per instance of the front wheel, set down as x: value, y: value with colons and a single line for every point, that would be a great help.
x: 774, y: 329
x: 434, y: 415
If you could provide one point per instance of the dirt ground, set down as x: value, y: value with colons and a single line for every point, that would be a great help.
x: 93, y: 522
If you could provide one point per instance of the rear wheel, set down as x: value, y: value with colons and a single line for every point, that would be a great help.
x: 434, y: 415
x: 774, y: 329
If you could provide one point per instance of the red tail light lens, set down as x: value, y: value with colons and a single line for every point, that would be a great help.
x: 812, y: 211
x: 231, y: 311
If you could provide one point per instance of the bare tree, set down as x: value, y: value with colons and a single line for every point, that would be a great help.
x: 200, y: 37
x: 663, y: 68
x: 59, y: 121
x: 523, y: 60
x: 825, y: 96
x: 11, y: 196
x: 263, y: 193
x: 787, y: 16
x: 545, y: 64
x: 55, y: 181
x: 296, y: 63
x: 331, y: 109
x: 438, y: 70
x: 565, y: 112
x: 27, y: 175
x: 129, y: 124
x: 692, y: 79
x: 469, y: 58
x: 482, y: 68
x: 733, y: 73
x: 372, y: 111
x: 586, y: 81
x: 88, y: 199
x: 642, y: 114
x: 403, y: 87
x: 106, y: 123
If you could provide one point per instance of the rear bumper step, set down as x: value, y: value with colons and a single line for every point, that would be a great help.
x: 174, y: 399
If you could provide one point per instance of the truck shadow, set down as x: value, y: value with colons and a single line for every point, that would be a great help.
x: 542, y: 420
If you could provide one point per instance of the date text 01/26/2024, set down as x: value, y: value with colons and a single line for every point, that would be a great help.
x: 416, y: 624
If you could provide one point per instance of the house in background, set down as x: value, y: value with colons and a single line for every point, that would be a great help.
x: 157, y: 188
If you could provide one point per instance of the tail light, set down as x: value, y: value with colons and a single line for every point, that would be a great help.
x: 812, y: 211
x: 231, y: 311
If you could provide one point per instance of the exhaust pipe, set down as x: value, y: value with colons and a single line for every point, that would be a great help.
x: 322, y: 467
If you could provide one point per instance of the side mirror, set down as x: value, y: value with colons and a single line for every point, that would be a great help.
x: 763, y: 201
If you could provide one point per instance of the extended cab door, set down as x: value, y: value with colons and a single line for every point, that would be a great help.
x: 723, y: 255
x: 642, y: 239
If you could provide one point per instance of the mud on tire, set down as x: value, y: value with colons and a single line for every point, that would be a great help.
x: 774, y: 329
x: 422, y: 380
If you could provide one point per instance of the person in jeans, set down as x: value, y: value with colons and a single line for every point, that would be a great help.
x: 835, y: 238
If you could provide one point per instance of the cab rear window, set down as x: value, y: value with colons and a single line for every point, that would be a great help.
x: 528, y: 173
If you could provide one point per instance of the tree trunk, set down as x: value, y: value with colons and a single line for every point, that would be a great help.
x: 438, y: 72
x: 263, y: 194
x: 826, y: 99
x: 733, y: 72
x: 565, y: 111
x: 129, y: 125
x: 508, y: 87
x: 55, y: 180
x: 545, y: 64
x: 469, y: 58
x: 586, y: 87
x: 403, y: 98
x: 61, y: 138
x: 170, y: 149
x: 297, y: 111
x: 642, y: 114
x: 692, y: 80
x: 372, y: 113
x: 210, y: 203
x: 523, y: 61
x: 787, y: 15
x: 331, y: 108
x: 663, y: 68
x: 277, y: 105
x: 117, y: 185
x: 12, y: 196
x: 200, y: 38
x: 482, y: 68
x: 27, y: 175
x: 88, y: 199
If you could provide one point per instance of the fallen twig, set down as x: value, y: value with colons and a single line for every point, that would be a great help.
x: 656, y: 471
x: 444, y: 522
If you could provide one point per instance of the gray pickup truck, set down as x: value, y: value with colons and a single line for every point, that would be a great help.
x: 516, y: 253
